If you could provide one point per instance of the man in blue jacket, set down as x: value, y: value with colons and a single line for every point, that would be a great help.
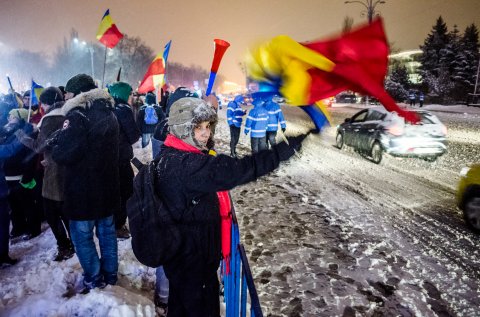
x: 235, y: 114
x: 6, y: 151
x: 256, y: 125
x: 275, y: 116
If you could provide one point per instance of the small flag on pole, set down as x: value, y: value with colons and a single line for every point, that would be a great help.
x: 108, y: 33
x: 35, y: 92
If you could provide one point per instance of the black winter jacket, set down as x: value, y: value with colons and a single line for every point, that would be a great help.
x: 88, y: 148
x: 129, y: 132
x: 187, y: 183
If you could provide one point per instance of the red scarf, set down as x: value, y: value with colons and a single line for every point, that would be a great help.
x: 223, y: 200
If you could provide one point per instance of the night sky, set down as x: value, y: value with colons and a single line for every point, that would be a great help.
x: 41, y: 25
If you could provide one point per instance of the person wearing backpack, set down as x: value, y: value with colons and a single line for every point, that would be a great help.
x: 186, y: 183
x: 149, y: 115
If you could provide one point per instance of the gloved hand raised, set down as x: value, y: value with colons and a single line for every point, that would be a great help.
x: 285, y: 151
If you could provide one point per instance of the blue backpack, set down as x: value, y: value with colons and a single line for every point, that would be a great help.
x: 150, y: 115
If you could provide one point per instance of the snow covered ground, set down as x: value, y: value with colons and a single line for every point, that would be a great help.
x: 328, y: 234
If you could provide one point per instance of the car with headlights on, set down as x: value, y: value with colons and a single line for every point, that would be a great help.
x: 468, y: 196
x: 375, y: 131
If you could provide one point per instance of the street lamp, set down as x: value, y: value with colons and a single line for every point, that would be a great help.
x: 370, y: 6
x: 89, y: 49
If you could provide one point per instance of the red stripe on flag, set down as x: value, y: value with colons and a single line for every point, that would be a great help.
x: 111, y: 37
x: 156, y: 68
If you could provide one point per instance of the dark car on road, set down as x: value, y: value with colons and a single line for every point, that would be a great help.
x: 375, y: 131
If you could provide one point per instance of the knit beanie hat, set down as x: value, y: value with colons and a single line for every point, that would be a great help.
x: 51, y: 95
x: 19, y: 113
x: 180, y: 92
x: 185, y: 114
x: 120, y: 91
x: 150, y: 99
x: 80, y: 83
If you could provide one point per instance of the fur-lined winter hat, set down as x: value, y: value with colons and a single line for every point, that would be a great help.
x: 120, y: 91
x: 185, y: 114
x: 80, y: 83
x: 51, y: 95
x: 150, y: 99
x: 180, y: 92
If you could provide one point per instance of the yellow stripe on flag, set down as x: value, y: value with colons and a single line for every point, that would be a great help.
x: 105, y: 24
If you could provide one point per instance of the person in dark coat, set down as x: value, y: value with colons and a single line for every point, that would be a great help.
x: 54, y: 175
x: 87, y: 146
x: 19, y: 173
x: 129, y: 134
x: 187, y: 181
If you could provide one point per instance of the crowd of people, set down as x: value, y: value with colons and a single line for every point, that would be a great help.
x: 67, y: 160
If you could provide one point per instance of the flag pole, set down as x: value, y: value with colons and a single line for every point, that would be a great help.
x: 30, y: 102
x: 104, y: 63
x: 14, y: 95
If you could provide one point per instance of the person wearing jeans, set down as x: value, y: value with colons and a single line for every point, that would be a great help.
x: 88, y: 147
x: 161, y: 288
x: 98, y: 271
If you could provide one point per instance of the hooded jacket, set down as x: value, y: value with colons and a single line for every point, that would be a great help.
x: 257, y: 120
x: 235, y: 112
x: 87, y: 146
x: 275, y: 116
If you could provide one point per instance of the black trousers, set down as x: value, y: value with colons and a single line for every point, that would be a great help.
x: 193, y: 292
x: 126, y: 190
x: 58, y: 222
x: 271, y: 138
x: 258, y: 144
x: 26, y: 219
x: 234, y: 137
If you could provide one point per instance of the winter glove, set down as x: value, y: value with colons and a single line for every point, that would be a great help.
x: 285, y: 151
x: 27, y: 128
x: 29, y: 185
x: 284, y: 129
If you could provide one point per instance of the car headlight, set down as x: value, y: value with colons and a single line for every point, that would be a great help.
x: 464, y: 171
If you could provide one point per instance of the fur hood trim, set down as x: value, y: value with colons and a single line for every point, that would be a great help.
x: 85, y: 99
x: 52, y: 113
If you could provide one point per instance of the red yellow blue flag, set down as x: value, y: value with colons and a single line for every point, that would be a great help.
x: 108, y: 33
x: 306, y: 73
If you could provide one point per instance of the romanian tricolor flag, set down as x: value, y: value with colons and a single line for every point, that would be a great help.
x: 35, y: 92
x: 108, y: 33
x: 306, y: 73
x: 155, y: 75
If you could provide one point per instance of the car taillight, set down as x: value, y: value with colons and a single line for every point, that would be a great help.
x: 444, y: 130
x: 395, y: 130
